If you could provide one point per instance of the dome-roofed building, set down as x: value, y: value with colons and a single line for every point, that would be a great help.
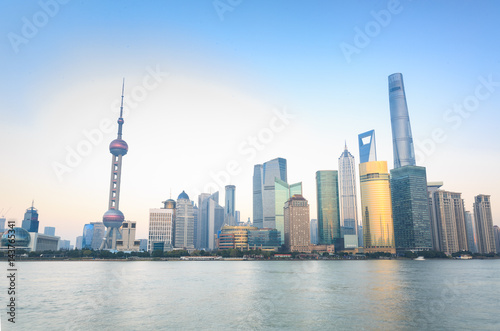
x: 183, y: 195
x: 169, y: 204
x: 22, y: 238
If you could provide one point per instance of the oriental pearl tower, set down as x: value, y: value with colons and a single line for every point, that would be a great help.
x: 114, y: 218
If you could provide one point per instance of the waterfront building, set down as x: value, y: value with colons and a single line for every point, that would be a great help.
x: 496, y: 233
x: 229, y: 206
x: 314, y: 231
x: 376, y: 203
x: 347, y: 194
x: 484, y: 224
x: 114, y: 218
x: 264, y: 206
x: 404, y: 153
x: 410, y: 209
x: 282, y: 192
x: 235, y: 237
x: 49, y: 230
x: 431, y: 188
x: 30, y: 221
x: 264, y: 239
x: 23, y: 239
x: 64, y: 245
x: 143, y: 245
x: 458, y: 205
x: 40, y: 242
x: 196, y: 224
x: 297, y: 233
x: 211, y: 216
x: 327, y: 195
x: 470, y: 230
x: 79, y: 242
x: 127, y: 243
x: 184, y: 223
x: 93, y: 235
x: 161, y: 227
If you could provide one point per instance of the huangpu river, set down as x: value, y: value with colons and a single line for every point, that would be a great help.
x: 256, y: 295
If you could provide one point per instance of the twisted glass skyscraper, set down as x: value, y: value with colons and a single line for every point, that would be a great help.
x: 404, y: 154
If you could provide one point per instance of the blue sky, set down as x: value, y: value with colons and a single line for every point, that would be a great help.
x: 220, y: 81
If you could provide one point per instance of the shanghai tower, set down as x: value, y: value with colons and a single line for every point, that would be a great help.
x: 404, y: 153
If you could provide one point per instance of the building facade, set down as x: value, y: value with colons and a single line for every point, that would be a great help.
x: 264, y: 239
x: 410, y: 209
x: 484, y: 224
x: 376, y: 207
x: 49, y: 231
x: 283, y: 192
x: 93, y: 235
x: 235, y: 237
x: 327, y: 195
x: 30, y: 221
x: 229, y: 206
x: 297, y: 235
x: 127, y: 242
x: 445, y: 222
x: 161, y: 227
x: 470, y: 230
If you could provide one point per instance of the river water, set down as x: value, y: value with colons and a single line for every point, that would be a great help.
x: 257, y: 295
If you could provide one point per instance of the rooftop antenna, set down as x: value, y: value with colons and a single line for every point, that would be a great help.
x: 120, y: 120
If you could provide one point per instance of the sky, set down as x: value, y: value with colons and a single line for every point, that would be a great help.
x: 214, y: 87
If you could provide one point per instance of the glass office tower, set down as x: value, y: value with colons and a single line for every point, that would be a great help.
x: 282, y: 193
x: 347, y: 194
x: 410, y: 208
x: 327, y: 195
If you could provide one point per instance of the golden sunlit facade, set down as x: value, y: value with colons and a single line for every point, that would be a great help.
x: 376, y: 207
x: 235, y: 237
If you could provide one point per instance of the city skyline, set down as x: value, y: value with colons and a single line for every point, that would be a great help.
x: 228, y: 78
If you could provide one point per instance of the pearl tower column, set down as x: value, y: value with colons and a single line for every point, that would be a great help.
x: 114, y: 218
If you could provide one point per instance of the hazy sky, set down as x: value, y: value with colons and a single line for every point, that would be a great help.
x: 214, y: 87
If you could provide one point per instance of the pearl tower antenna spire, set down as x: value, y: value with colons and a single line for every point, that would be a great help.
x: 114, y: 218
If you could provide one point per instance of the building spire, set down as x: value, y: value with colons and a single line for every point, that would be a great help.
x: 120, y: 120
x: 345, y: 142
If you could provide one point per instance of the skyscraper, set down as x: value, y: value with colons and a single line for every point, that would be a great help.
x: 79, y: 242
x: 347, y: 194
x: 484, y: 224
x: 314, y: 231
x: 431, y: 188
x: 93, y: 235
x: 230, y: 212
x: 30, y: 221
x: 127, y: 241
x: 410, y: 209
x: 161, y: 227
x: 184, y: 222
x: 283, y: 192
x: 496, y: 234
x: 404, y: 153
x: 376, y: 204
x: 458, y: 205
x: 263, y: 191
x: 211, y: 220
x: 327, y: 195
x: 297, y: 231
x: 114, y: 218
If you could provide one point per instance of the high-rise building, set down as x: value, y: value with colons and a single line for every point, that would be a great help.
x: 237, y: 216
x: 114, y: 218
x: 283, y: 192
x: 2, y: 224
x: 297, y: 231
x: 211, y: 216
x: 93, y: 235
x: 64, y: 245
x: 458, y: 205
x: 484, y: 224
x: 496, y: 234
x: 230, y: 212
x: 79, y: 242
x: 314, y: 231
x: 404, y: 153
x: 347, y: 194
x: 410, y: 209
x: 30, y: 221
x: 470, y: 230
x: 127, y: 242
x: 376, y: 203
x: 431, y: 188
x: 235, y: 237
x: 161, y: 227
x: 367, y: 147
x: 264, y: 206
x: 443, y: 212
x: 49, y: 230
x: 184, y: 223
x: 327, y: 195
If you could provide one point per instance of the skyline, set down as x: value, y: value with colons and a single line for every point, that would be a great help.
x: 229, y: 80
